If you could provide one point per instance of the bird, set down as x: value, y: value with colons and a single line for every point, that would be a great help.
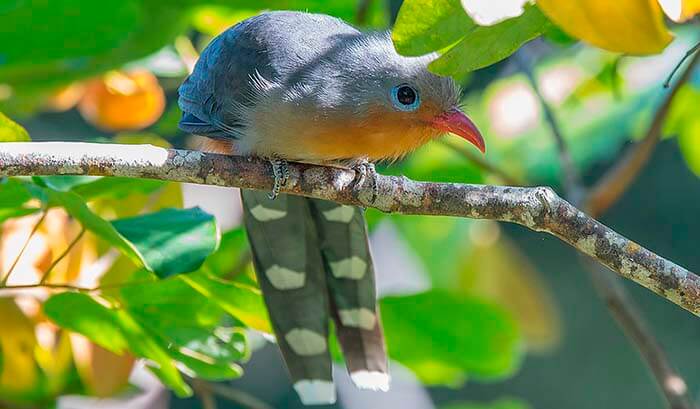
x: 297, y: 86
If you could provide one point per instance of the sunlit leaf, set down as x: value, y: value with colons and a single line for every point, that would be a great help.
x: 486, y: 45
x: 11, y: 131
x: 240, y: 300
x: 115, y: 330
x: 171, y: 241
x: 77, y: 208
x: 84, y: 315
x: 187, y: 324
x: 437, y: 328
x: 627, y: 26
x: 424, y: 26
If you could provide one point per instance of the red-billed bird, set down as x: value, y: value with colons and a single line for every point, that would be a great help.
x: 309, y: 87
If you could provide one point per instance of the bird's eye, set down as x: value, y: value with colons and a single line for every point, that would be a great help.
x: 405, y: 97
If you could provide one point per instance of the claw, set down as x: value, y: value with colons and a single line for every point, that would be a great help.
x: 365, y: 170
x: 280, y: 169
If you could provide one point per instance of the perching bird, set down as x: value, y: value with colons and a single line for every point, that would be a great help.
x: 308, y: 87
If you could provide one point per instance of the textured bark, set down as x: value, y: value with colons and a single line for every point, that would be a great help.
x: 537, y: 208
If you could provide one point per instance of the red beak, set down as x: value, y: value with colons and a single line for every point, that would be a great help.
x: 456, y: 122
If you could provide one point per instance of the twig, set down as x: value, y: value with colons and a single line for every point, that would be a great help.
x: 626, y: 314
x: 572, y: 180
x: 206, y: 396
x: 3, y: 283
x: 688, y: 53
x: 616, y: 181
x: 608, y: 287
x: 63, y: 255
x: 186, y: 51
x: 238, y: 396
x: 227, y: 392
x: 537, y: 208
x: 484, y: 164
x: 361, y: 12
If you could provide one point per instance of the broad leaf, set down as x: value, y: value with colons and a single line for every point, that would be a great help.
x: 627, y: 26
x: 113, y: 329
x: 437, y: 329
x: 424, y: 26
x: 187, y: 324
x: 486, y: 45
x: 171, y: 241
x: 76, y: 207
x: 11, y: 131
x: 82, y: 314
x: 240, y: 300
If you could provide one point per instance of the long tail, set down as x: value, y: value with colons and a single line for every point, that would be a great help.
x: 350, y: 276
x: 313, y: 263
x: 289, y: 268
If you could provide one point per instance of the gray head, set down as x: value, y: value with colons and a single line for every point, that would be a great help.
x: 364, y: 80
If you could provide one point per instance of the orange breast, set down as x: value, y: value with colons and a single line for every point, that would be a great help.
x: 386, y: 136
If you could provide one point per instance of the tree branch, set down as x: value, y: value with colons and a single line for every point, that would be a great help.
x: 537, y: 208
x: 615, y: 182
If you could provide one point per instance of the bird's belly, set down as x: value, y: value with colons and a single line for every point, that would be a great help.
x: 324, y: 143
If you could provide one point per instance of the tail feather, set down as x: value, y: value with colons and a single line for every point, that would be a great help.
x: 351, y: 284
x: 284, y: 242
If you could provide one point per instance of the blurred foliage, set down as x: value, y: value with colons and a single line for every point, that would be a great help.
x: 499, y: 404
x: 138, y: 276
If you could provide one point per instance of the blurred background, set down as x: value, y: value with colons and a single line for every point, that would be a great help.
x: 478, y: 314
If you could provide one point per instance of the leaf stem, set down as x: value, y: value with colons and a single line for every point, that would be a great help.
x: 70, y: 246
x: 3, y: 283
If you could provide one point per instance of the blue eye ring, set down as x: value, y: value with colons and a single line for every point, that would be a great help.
x: 405, y: 98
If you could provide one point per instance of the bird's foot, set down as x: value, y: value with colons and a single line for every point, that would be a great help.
x: 280, y: 168
x: 365, y: 170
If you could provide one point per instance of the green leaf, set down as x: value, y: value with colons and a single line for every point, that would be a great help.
x: 82, y: 314
x: 437, y: 329
x: 486, y: 45
x: 11, y: 131
x: 116, y: 187
x: 424, y: 26
x: 64, y: 183
x: 76, y: 207
x: 172, y: 241
x: 503, y: 403
x: 240, y: 300
x: 113, y: 329
x: 187, y: 324
x: 13, y: 193
x: 689, y: 142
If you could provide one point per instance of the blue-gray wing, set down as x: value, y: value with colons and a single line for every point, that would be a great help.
x: 211, y: 97
x: 277, y: 46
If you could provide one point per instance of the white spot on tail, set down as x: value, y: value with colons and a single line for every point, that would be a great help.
x: 285, y: 279
x: 263, y: 214
x: 358, y: 318
x: 372, y: 380
x: 351, y: 267
x: 315, y: 391
x: 306, y: 342
x: 341, y: 214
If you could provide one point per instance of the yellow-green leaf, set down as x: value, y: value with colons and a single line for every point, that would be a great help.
x: 626, y: 26
x: 11, y: 131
